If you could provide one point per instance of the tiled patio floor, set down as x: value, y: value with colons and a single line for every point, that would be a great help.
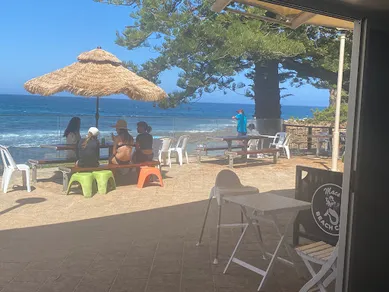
x: 144, y: 251
x: 135, y: 240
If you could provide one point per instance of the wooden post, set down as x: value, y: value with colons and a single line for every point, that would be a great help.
x: 309, y: 139
x: 275, y: 157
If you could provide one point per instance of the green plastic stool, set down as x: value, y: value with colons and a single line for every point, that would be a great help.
x: 85, y: 179
x: 103, y: 177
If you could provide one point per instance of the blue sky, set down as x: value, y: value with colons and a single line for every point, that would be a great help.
x: 39, y: 36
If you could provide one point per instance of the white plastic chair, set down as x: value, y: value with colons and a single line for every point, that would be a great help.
x: 325, y: 140
x: 324, y: 255
x: 281, y: 140
x: 227, y: 184
x: 180, y: 148
x: 252, y: 145
x: 165, y: 152
x: 9, y: 167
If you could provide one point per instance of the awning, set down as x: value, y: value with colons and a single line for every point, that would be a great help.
x: 286, y: 16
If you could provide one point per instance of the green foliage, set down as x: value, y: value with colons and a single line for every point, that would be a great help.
x: 211, y: 49
x: 328, y: 115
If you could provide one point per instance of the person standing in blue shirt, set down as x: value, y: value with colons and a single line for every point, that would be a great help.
x: 242, y: 123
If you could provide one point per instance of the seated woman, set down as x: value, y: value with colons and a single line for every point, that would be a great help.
x: 252, y: 130
x: 143, y: 144
x: 72, y: 135
x: 122, y: 144
x: 88, y: 149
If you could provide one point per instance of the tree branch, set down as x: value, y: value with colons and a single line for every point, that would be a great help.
x: 306, y: 70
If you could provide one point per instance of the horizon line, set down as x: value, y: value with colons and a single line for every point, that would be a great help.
x: 127, y: 98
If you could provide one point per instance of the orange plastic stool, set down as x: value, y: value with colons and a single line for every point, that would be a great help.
x: 145, y: 175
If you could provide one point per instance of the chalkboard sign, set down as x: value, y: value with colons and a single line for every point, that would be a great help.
x: 323, y: 189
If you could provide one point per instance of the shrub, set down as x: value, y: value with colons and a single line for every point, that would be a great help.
x: 328, y: 115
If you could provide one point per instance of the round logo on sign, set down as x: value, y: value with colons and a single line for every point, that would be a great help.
x: 326, y: 208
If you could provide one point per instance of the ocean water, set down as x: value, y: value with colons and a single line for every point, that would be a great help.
x: 27, y: 121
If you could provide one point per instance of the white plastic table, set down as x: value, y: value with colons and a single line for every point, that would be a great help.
x: 268, y: 207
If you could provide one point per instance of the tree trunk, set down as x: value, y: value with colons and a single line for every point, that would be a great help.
x: 332, y: 100
x: 267, y: 90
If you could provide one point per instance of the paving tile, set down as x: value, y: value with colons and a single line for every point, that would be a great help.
x: 192, y: 285
x: 230, y: 281
x: 105, y: 265
x: 167, y: 266
x: 9, y: 270
x: 19, y: 255
x: 133, y: 272
x: 198, y: 274
x: 74, y: 266
x: 92, y: 286
x: 97, y: 281
x: 61, y: 283
x: 54, y: 254
x: 111, y: 256
x: 83, y: 254
x: 36, y: 276
x: 48, y: 265
x: 164, y: 279
x: 198, y: 253
x: 226, y: 289
x: 138, y: 261
x: 128, y: 285
x: 104, y: 276
x: 163, y: 288
x: 170, y: 247
x: 168, y: 256
x: 142, y: 251
x: 22, y: 287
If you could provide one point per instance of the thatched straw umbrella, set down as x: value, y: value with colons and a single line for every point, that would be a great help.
x: 97, y: 73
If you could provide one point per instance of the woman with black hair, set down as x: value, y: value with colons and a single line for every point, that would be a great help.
x: 72, y: 135
x: 143, y: 144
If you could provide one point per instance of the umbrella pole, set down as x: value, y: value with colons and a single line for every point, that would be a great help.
x: 97, y: 112
x: 335, y: 139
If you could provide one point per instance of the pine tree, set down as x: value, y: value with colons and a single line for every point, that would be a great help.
x: 211, y: 49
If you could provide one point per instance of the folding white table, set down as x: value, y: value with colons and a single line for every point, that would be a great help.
x: 266, y: 206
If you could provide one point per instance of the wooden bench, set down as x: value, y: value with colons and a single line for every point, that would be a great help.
x: 216, y: 148
x: 233, y: 154
x: 67, y: 171
x: 36, y: 162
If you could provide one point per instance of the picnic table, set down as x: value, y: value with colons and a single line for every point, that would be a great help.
x: 323, y: 138
x: 243, y: 139
x: 60, y: 160
x: 268, y: 207
x: 62, y: 147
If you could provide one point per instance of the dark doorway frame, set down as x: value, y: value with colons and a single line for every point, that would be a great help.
x: 338, y: 9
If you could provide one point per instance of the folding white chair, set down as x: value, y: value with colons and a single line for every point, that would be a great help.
x: 324, y: 255
x: 9, y: 167
x: 165, y: 152
x: 281, y: 140
x: 227, y: 184
x: 180, y: 148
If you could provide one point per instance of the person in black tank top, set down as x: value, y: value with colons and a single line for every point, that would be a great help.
x: 122, y: 144
x: 143, y: 144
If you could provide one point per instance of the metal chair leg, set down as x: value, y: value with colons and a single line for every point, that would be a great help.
x: 241, y: 220
x: 205, y: 221
x: 216, y: 260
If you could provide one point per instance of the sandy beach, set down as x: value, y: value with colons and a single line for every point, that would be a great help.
x: 188, y: 183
